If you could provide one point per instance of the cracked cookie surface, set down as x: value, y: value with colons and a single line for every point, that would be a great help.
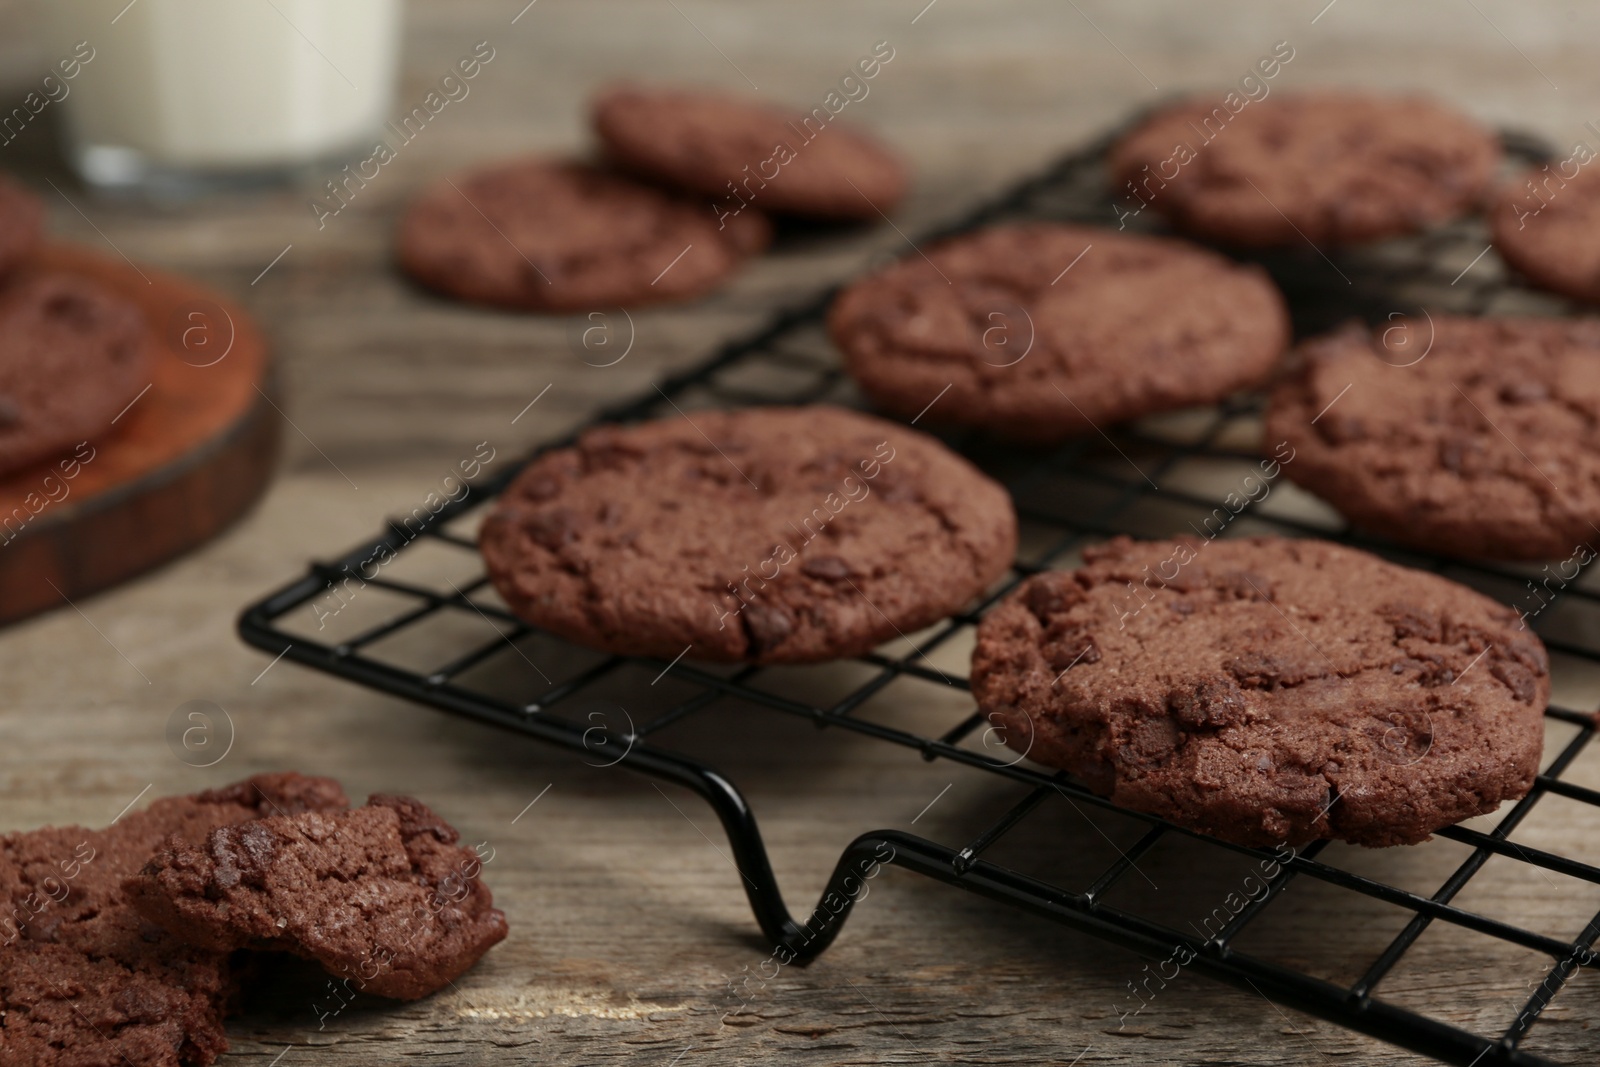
x: 1486, y: 445
x: 1042, y: 332
x: 84, y: 979
x: 1325, y: 167
x: 765, y: 534
x: 382, y: 895
x: 1268, y: 690
x: 541, y: 235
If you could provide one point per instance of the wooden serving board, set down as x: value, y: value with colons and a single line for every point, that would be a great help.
x: 189, y: 456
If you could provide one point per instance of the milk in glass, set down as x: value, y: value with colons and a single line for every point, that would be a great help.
x: 185, y: 91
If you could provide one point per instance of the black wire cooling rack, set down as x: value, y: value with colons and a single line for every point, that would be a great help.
x: 1081, y: 493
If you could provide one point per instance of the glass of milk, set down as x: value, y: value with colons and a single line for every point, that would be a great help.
x: 185, y: 95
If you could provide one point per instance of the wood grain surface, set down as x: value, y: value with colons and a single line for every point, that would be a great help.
x: 627, y: 922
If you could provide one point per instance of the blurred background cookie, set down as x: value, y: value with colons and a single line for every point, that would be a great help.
x: 1548, y: 227
x: 1329, y: 167
x: 747, y: 154
x: 1042, y: 332
x: 72, y: 356
x: 539, y: 235
x: 1472, y: 437
x: 21, y: 224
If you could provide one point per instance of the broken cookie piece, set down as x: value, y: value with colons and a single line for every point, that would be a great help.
x: 86, y: 980
x: 381, y: 896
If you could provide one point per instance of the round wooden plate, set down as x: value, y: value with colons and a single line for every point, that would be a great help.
x: 184, y: 460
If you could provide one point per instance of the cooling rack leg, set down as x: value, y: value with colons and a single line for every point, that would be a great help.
x: 744, y: 837
x: 852, y: 880
x: 795, y: 942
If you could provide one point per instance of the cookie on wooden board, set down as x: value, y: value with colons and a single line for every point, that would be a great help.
x: 83, y: 977
x: 541, y: 235
x: 1330, y: 167
x: 748, y: 155
x: 1467, y: 436
x: 1042, y: 331
x: 72, y: 357
x: 774, y: 535
x: 382, y: 896
x: 1268, y: 691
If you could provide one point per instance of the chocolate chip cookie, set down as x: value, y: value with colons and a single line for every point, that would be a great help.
x: 83, y: 977
x: 1268, y: 691
x: 72, y: 357
x: 748, y: 156
x: 382, y: 896
x: 1041, y: 332
x: 1472, y: 437
x: 1547, y: 226
x: 773, y: 535
x: 547, y: 236
x: 1326, y: 167
x: 21, y: 224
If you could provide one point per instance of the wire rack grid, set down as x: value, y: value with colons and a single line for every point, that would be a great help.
x: 1079, y: 494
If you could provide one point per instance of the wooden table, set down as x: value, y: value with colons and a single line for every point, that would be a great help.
x: 626, y: 921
